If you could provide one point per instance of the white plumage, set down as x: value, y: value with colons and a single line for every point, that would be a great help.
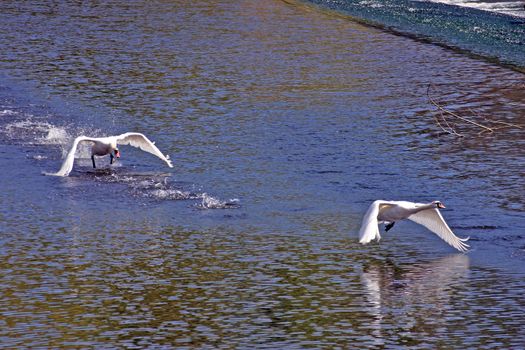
x: 389, y: 212
x: 102, y: 146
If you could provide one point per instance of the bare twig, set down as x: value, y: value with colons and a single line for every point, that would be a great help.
x: 451, y: 128
x: 506, y: 124
x: 489, y: 127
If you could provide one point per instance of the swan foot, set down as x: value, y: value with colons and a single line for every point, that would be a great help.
x: 93, y: 160
x: 389, y: 226
x: 111, y: 158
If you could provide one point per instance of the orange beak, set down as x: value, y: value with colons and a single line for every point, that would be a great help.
x: 441, y: 206
x: 117, y: 153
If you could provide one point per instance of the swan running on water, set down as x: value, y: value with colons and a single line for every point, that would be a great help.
x: 428, y: 215
x: 102, y: 146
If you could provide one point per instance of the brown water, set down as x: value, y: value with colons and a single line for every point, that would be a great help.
x: 294, y: 119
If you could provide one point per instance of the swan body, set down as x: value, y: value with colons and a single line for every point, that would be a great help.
x: 389, y: 212
x: 102, y: 146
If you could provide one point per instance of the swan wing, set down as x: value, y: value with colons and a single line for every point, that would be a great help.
x: 67, y: 165
x: 370, y: 227
x: 138, y: 140
x: 432, y: 219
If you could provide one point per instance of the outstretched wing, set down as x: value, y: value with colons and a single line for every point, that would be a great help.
x: 432, y: 219
x: 67, y: 166
x: 369, y: 228
x: 138, y: 140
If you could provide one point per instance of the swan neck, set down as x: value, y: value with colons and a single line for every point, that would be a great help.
x: 425, y: 207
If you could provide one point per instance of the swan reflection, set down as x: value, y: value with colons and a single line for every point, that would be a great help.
x: 421, y: 296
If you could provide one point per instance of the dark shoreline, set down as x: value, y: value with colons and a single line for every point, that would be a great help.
x: 422, y: 38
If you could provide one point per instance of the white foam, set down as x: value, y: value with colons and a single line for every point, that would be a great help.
x: 8, y: 112
x: 171, y: 194
x: 372, y: 4
x: 56, y: 135
x: 209, y: 202
x: 36, y: 131
x: 514, y: 8
x: 39, y: 157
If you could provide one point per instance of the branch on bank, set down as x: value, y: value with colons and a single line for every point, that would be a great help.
x: 452, y: 123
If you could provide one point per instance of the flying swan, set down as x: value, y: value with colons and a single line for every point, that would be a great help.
x: 102, y: 146
x: 428, y: 215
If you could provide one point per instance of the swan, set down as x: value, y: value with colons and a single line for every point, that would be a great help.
x: 389, y: 212
x: 102, y: 146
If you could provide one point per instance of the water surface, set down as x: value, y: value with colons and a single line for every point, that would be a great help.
x: 508, y: 7
x: 284, y: 124
x: 474, y: 28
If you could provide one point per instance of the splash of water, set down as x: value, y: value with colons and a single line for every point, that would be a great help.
x: 7, y: 112
x: 158, y: 187
x: 28, y: 130
x: 171, y: 194
x: 209, y: 202
x: 38, y: 157
x: 56, y: 135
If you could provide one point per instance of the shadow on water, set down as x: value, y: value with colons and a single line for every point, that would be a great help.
x: 411, y: 303
x: 425, y: 292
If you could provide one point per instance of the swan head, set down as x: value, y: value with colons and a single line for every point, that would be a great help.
x: 117, y: 153
x: 439, y: 205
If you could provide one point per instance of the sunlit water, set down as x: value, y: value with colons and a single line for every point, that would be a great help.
x: 478, y: 28
x: 284, y: 123
x: 507, y: 7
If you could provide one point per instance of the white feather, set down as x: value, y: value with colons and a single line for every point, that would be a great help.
x: 138, y: 140
x: 67, y: 165
x: 369, y: 228
x: 424, y: 214
x: 433, y: 220
x: 105, y: 145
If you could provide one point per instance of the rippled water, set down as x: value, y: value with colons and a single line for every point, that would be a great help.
x: 508, y: 7
x: 461, y: 26
x: 284, y: 123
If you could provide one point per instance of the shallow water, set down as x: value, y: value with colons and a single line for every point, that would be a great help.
x: 284, y: 124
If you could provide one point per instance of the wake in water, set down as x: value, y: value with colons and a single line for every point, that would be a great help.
x: 159, y: 187
x: 209, y: 202
x: 28, y: 130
